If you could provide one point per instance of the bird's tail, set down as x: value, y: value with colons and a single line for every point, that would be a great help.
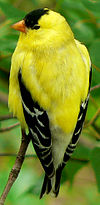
x: 51, y: 185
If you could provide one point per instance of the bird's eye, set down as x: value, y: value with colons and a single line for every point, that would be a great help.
x: 36, y: 27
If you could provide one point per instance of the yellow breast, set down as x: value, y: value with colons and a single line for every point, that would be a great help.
x: 57, y: 80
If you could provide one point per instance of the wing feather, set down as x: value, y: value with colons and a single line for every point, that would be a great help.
x: 38, y: 124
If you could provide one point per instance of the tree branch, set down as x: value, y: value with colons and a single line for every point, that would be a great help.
x: 16, y: 168
x: 10, y: 127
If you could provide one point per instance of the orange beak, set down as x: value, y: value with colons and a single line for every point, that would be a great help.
x: 20, y: 26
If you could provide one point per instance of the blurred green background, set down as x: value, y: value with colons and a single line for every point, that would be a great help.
x: 81, y: 176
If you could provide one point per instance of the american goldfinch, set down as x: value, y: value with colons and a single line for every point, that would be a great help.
x: 49, y: 89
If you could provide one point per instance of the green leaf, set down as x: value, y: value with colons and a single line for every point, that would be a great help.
x: 93, y: 6
x: 81, y: 152
x: 3, y: 109
x: 3, y: 83
x: 94, y: 50
x: 35, y: 189
x: 78, y: 18
x: 10, y: 11
x: 72, y: 11
x: 95, y: 160
x: 7, y: 45
x: 95, y: 81
x: 72, y: 168
x: 83, y: 32
x: 69, y: 4
x: 91, y: 111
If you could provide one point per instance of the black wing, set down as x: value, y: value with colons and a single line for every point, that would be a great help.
x: 81, y: 117
x: 38, y: 124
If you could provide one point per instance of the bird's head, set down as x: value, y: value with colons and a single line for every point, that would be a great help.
x: 43, y: 27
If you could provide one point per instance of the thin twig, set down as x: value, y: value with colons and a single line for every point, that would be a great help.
x: 97, y: 128
x: 95, y: 87
x: 79, y: 160
x: 93, y: 118
x: 2, y: 56
x: 94, y: 102
x: 6, y: 22
x: 16, y: 168
x: 98, y: 69
x: 15, y: 155
x: 9, y: 128
x: 95, y: 133
x: 4, y: 70
x: 35, y: 156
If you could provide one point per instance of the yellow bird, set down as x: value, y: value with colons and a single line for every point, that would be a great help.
x: 49, y: 89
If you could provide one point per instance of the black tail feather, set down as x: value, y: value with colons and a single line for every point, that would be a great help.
x: 43, y: 187
x: 49, y: 186
x: 46, y: 187
x: 57, y: 181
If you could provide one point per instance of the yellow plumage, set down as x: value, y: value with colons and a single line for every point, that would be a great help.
x: 55, y: 69
x: 49, y: 74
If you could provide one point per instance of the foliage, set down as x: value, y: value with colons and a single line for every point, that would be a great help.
x: 84, y: 19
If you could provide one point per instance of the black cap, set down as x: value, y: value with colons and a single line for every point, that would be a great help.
x: 32, y: 18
